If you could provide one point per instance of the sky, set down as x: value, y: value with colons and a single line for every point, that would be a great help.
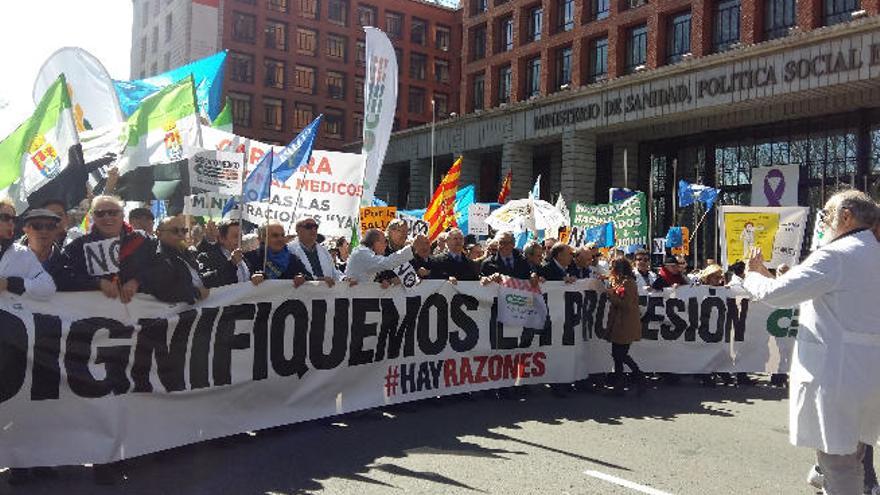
x: 31, y: 30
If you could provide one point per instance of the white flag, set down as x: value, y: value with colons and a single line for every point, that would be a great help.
x: 380, y: 104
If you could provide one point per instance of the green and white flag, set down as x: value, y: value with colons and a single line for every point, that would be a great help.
x: 40, y: 148
x: 165, y: 124
x: 223, y: 121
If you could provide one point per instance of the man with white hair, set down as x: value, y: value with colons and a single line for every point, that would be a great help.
x: 835, y: 375
x: 308, y: 248
x: 369, y: 259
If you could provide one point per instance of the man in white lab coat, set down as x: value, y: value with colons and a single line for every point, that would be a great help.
x: 835, y: 377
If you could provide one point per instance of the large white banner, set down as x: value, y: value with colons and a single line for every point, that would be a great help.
x: 87, y: 380
x: 778, y: 231
x: 328, y: 189
x: 380, y: 104
x: 776, y: 185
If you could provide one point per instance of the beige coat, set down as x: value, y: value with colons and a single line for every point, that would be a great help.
x: 624, y: 321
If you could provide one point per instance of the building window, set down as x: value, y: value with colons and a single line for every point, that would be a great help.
x: 155, y: 42
x: 304, y: 79
x: 479, y: 6
x: 418, y: 66
x: 359, y: 90
x: 505, y: 77
x: 563, y: 66
x: 242, y: 67
x: 636, y: 47
x: 273, y: 114
x: 244, y: 27
x: 442, y: 37
x: 533, y: 77
x: 306, y: 42
x: 416, y: 100
x: 441, y: 105
x: 678, y: 41
x: 169, y: 25
x: 600, y: 9
x: 598, y: 59
x: 837, y: 11
x: 361, y: 55
x: 441, y: 70
x: 564, y: 15
x: 276, y: 35
x: 335, y: 47
x: 779, y: 17
x: 337, y: 12
x: 418, y: 31
x: 334, y: 121
x: 479, y: 43
x: 336, y: 85
x: 479, y: 87
x: 241, y: 109
x: 309, y: 9
x: 367, y: 15
x: 277, y: 5
x: 726, y: 24
x: 358, y: 121
x: 505, y: 31
x: 536, y: 22
x: 274, y: 73
x: 398, y: 55
x: 303, y: 114
x: 393, y: 25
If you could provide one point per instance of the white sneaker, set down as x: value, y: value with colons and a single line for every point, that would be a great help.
x: 815, y: 478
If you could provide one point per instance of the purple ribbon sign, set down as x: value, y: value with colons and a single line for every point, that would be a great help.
x: 774, y: 195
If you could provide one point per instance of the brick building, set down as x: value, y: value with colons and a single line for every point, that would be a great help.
x: 592, y: 94
x: 290, y: 60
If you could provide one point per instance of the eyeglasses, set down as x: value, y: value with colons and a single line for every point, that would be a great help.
x: 176, y: 230
x: 106, y: 213
x: 311, y: 226
x: 6, y: 217
x: 40, y: 226
x: 276, y: 235
x: 641, y: 258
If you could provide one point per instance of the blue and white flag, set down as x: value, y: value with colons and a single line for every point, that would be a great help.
x: 688, y: 193
x: 674, y: 238
x: 297, y: 153
x: 616, y: 194
x: 536, y: 189
x: 602, y: 235
x: 259, y: 181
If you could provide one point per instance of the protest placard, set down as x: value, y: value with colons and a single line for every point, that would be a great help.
x: 377, y: 217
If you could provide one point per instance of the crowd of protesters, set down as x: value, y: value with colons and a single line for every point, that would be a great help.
x: 40, y: 253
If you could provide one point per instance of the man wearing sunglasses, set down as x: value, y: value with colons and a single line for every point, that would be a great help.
x: 172, y: 275
x: 20, y: 271
x: 645, y: 277
x: 71, y: 272
x: 315, y: 257
x: 276, y: 262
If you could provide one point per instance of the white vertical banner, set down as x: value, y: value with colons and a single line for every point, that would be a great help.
x: 775, y: 186
x: 380, y: 104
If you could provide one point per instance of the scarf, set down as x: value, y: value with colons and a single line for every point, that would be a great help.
x: 276, y: 263
x: 671, y: 278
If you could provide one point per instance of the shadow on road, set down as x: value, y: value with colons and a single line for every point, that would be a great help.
x: 297, y: 458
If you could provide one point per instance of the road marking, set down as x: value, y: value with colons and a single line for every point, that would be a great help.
x: 625, y: 483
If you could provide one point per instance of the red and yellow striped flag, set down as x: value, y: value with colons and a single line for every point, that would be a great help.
x: 505, y: 187
x: 440, y: 214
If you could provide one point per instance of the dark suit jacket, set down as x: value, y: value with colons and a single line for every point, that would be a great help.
x: 551, y: 272
x: 494, y: 264
x: 255, y: 258
x: 168, y: 277
x: 71, y: 274
x: 216, y: 270
x: 444, y: 266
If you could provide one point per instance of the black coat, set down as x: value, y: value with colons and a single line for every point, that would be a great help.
x: 416, y: 263
x: 444, y: 266
x: 215, y: 269
x: 168, y: 277
x: 551, y: 272
x: 494, y: 264
x: 255, y: 259
x: 71, y: 274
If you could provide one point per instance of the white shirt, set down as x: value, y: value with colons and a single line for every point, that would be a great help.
x: 834, y: 398
x: 20, y: 261
x: 363, y: 264
x: 328, y: 268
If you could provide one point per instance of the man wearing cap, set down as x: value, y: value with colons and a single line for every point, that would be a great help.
x: 307, y: 247
x: 59, y: 208
x: 40, y: 227
x: 20, y: 271
x: 222, y: 262
x: 670, y: 274
x: 141, y: 219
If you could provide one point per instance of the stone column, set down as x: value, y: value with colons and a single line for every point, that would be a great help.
x: 419, y: 180
x: 470, y: 171
x: 578, y: 174
x: 555, y: 179
x: 617, y: 163
x: 517, y: 157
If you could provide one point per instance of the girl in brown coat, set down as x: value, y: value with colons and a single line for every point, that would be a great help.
x: 625, y: 324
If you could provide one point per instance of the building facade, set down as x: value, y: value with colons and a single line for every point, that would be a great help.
x: 640, y: 94
x: 291, y: 60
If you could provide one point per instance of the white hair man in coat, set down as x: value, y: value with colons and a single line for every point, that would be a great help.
x: 308, y: 248
x: 834, y: 398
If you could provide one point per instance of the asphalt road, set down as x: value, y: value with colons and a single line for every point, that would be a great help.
x: 677, y: 440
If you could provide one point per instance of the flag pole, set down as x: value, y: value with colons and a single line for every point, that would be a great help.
x: 433, y: 122
x: 241, y: 200
x: 266, y: 223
